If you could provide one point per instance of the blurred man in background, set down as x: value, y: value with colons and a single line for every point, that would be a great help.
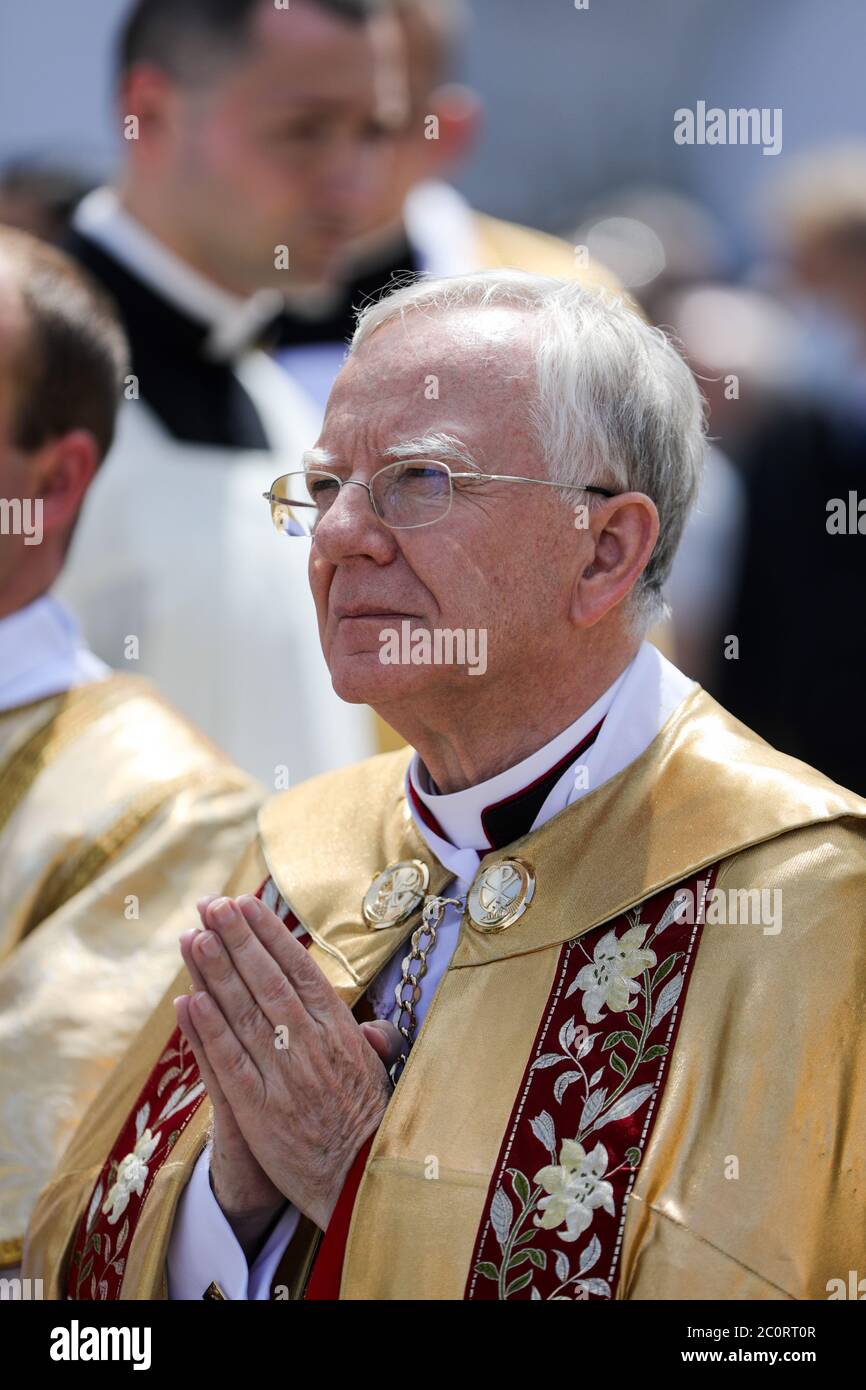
x: 253, y: 153
x: 115, y: 814
x: 798, y: 683
x: 420, y: 224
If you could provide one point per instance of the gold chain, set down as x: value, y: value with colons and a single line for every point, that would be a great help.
x: 431, y: 919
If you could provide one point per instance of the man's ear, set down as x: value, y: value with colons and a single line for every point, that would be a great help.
x: 64, y: 470
x: 622, y: 532
x: 458, y: 110
x: 146, y: 106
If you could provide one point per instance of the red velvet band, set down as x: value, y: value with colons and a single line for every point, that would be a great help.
x: 324, y: 1282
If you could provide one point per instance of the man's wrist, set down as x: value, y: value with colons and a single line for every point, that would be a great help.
x: 252, y: 1229
x: 250, y: 1226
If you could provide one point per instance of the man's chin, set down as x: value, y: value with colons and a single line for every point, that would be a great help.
x: 362, y: 679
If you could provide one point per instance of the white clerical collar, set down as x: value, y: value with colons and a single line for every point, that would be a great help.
x: 42, y: 653
x: 460, y: 813
x: 634, y: 710
x: 234, y: 322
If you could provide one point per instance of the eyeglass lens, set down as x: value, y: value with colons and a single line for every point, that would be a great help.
x: 408, y: 493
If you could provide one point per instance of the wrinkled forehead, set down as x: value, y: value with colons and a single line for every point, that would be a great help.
x: 467, y: 373
x: 451, y: 354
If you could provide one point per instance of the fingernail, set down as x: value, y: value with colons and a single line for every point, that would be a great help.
x: 222, y: 912
x: 210, y: 945
x: 250, y: 907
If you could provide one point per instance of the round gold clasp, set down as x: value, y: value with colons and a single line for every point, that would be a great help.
x: 396, y: 893
x: 500, y: 894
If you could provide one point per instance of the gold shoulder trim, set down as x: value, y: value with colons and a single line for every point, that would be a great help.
x: 82, y: 868
x: 70, y: 714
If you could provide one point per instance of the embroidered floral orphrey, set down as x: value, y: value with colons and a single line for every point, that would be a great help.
x: 553, y: 1223
x: 99, y: 1254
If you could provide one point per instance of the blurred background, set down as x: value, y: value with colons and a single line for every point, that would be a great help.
x: 755, y: 261
x: 594, y: 88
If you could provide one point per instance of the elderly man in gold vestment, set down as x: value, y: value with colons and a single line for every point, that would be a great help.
x: 114, y: 812
x: 563, y: 1000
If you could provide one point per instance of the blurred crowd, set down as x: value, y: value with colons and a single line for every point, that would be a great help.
x: 233, y: 150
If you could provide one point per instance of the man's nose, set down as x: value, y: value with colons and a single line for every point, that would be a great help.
x: 350, y: 526
x: 353, y: 179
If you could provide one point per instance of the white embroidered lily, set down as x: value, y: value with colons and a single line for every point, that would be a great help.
x: 575, y: 1188
x: 131, y: 1176
x: 609, y: 979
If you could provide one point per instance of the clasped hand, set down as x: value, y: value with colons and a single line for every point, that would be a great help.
x: 296, y: 1084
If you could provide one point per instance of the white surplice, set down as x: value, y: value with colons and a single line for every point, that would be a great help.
x: 176, y: 571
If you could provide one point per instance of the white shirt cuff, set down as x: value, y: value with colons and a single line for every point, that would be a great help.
x: 204, y: 1249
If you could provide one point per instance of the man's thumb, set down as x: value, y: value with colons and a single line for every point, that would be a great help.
x: 384, y: 1039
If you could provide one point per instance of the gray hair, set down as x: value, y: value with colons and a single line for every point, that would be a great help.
x: 615, y: 403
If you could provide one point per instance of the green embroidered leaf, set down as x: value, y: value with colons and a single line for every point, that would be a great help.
x: 521, y: 1240
x: 611, y: 1041
x: 630, y: 1041
x: 634, y: 1021
x: 86, y: 1271
x: 537, y: 1257
x: 517, y: 1284
x: 662, y: 972
x: 657, y: 1050
x: 517, y: 1259
x: 97, y: 1242
x: 488, y: 1270
x: 632, y: 1157
x: 618, y: 1064
x: 521, y: 1185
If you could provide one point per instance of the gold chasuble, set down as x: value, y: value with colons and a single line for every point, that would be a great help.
x: 115, y: 815
x: 642, y: 1076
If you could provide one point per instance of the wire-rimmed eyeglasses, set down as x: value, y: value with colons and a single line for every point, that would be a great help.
x: 403, y: 495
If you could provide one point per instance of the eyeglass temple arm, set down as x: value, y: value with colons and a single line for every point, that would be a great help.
x: 544, y: 482
x: 286, y: 501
